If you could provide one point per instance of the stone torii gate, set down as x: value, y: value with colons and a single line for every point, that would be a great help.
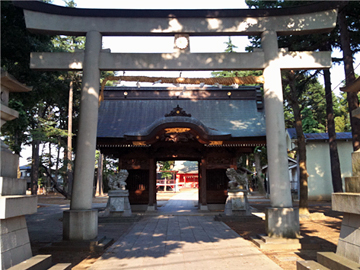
x: 80, y: 222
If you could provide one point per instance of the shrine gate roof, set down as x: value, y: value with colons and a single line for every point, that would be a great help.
x: 232, y: 116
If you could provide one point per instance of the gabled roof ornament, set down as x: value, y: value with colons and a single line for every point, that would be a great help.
x: 178, y: 111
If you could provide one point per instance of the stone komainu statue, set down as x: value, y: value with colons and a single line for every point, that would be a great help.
x: 117, y: 181
x: 237, y: 181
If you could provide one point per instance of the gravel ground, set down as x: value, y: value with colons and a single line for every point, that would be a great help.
x: 320, y: 234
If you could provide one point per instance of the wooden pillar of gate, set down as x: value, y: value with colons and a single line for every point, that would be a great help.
x: 152, y: 185
x: 202, y: 186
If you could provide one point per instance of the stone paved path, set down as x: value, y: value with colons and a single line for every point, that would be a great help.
x: 182, y: 242
x: 184, y: 203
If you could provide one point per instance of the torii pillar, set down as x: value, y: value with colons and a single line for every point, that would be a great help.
x: 282, y: 220
x: 81, y: 221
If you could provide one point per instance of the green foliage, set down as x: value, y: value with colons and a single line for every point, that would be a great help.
x: 165, y: 167
x: 310, y: 94
x: 247, y: 161
x: 110, y: 167
x: 262, y: 150
x: 15, y: 131
x: 309, y: 123
x: 105, y: 74
x: 47, y: 90
x: 231, y: 73
x: 311, y: 98
x: 258, y: 4
x: 294, y: 42
x: 342, y: 116
x: 49, y: 131
x: 313, y: 108
x: 352, y: 16
x: 342, y: 124
x: 230, y: 46
x: 68, y: 43
x: 70, y: 3
x: 313, y: 42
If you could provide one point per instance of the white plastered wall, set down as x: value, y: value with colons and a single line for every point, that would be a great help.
x: 319, y: 170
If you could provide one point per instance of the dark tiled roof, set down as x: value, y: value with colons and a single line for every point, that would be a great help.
x: 240, y: 118
x: 325, y: 136
x: 292, y: 133
x: 320, y: 136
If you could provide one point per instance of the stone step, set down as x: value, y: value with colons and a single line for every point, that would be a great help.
x: 274, y: 240
x: 95, y: 245
x: 309, y: 265
x: 61, y: 266
x: 68, y: 243
x: 336, y: 262
x: 38, y: 262
x: 265, y: 242
x: 119, y: 219
x: 225, y: 218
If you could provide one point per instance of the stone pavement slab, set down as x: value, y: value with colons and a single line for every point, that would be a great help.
x: 182, y: 242
x: 183, y: 203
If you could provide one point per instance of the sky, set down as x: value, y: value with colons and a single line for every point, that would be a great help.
x: 165, y: 44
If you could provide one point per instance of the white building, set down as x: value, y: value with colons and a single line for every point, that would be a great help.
x: 318, y: 161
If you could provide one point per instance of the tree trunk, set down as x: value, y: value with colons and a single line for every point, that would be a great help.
x: 99, y: 182
x: 301, y: 146
x: 352, y: 98
x: 35, y: 160
x: 69, y: 140
x: 56, y: 186
x: 65, y: 158
x: 260, y: 181
x: 334, y: 156
x: 56, y: 178
x: 48, y: 182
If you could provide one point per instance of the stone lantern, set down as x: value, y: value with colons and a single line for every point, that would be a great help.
x: 14, y: 203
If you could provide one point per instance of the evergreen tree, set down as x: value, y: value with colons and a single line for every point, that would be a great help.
x: 230, y: 46
x: 16, y: 45
x: 349, y: 27
x: 45, y: 108
x: 231, y: 73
